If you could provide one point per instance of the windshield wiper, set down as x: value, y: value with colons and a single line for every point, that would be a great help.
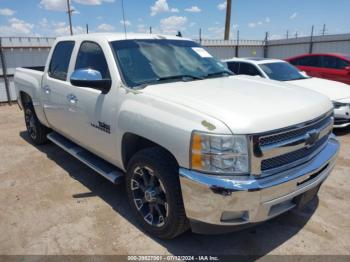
x: 174, y: 77
x: 182, y: 77
x: 219, y: 73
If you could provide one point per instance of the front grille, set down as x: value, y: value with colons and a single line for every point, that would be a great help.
x: 287, y: 148
x: 339, y: 121
x: 278, y: 138
x: 291, y: 157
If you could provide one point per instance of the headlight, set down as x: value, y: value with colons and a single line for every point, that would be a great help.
x: 220, y: 154
x: 337, y: 105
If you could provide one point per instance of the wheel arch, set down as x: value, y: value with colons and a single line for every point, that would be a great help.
x: 133, y: 143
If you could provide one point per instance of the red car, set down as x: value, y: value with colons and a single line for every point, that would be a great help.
x: 330, y: 66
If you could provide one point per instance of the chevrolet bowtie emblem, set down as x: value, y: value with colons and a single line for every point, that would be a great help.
x: 311, y: 138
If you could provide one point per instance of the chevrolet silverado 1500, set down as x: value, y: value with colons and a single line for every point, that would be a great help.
x: 198, y: 147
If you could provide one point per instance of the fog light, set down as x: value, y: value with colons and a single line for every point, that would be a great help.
x: 234, y: 216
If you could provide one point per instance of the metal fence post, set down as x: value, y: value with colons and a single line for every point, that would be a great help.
x: 237, y: 45
x: 4, y: 73
x: 265, y: 44
x: 311, y: 40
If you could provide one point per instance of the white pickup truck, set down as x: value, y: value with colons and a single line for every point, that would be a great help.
x: 198, y: 147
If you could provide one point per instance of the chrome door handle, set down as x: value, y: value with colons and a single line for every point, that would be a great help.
x: 72, y: 99
x: 47, y: 90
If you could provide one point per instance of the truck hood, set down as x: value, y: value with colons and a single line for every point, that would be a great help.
x: 334, y: 90
x: 245, y: 104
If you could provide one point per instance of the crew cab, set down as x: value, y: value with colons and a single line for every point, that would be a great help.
x: 195, y: 146
x: 279, y: 70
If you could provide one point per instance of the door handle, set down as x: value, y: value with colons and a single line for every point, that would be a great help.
x: 72, y: 99
x: 47, y: 90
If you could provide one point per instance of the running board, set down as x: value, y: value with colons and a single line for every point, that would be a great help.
x: 109, y: 171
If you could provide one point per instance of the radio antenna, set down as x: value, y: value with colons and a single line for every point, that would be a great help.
x: 124, y: 18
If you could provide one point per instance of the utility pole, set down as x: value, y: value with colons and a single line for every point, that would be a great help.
x: 311, y: 36
x: 200, y: 35
x: 87, y: 28
x: 228, y: 19
x: 287, y: 34
x: 150, y: 30
x: 69, y: 11
x: 296, y: 34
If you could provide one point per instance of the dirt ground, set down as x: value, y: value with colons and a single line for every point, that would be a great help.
x: 50, y: 203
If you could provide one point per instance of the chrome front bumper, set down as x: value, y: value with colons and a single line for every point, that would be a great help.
x: 233, y: 201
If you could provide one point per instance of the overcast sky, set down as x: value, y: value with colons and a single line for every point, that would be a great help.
x: 251, y: 17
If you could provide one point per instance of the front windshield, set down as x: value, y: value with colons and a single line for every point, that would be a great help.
x: 282, y: 71
x: 151, y: 61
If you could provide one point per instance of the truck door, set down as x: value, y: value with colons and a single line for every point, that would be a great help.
x: 92, y: 114
x: 55, y: 85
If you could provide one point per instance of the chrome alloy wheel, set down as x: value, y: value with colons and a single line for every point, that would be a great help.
x: 30, y: 123
x: 149, y: 196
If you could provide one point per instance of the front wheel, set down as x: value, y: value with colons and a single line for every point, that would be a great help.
x: 154, y: 193
x: 35, y: 129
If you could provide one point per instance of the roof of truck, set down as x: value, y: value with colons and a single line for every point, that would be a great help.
x: 119, y: 36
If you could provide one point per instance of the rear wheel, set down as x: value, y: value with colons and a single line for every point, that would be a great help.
x: 35, y: 129
x: 154, y: 193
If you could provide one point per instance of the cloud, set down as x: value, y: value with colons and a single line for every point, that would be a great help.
x: 193, y: 9
x: 7, y: 12
x: 54, y: 28
x: 293, y: 16
x: 127, y: 22
x: 17, y: 27
x: 252, y: 24
x: 105, y: 27
x: 54, y: 5
x: 222, y: 6
x: 259, y: 23
x: 61, y: 5
x: 93, y: 2
x: 141, y: 28
x: 64, y: 30
x: 161, y: 6
x: 172, y: 24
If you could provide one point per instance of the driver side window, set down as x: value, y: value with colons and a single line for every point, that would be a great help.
x: 91, y: 56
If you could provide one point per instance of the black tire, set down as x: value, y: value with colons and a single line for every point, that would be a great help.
x: 36, y: 131
x: 164, y: 176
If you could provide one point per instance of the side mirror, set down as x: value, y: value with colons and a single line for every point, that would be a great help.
x: 303, y: 73
x: 347, y: 68
x: 90, y: 78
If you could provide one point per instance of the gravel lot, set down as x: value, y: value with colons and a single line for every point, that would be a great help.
x: 50, y: 203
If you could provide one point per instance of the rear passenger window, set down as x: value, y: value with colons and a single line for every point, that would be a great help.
x: 91, y: 56
x: 233, y: 66
x: 60, y: 60
x: 307, y: 61
x: 333, y: 62
x: 248, y: 69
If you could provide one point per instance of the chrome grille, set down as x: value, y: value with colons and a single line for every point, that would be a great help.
x: 274, y: 139
x: 286, y: 148
x: 285, y: 159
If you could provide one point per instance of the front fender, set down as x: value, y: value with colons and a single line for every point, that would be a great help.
x: 165, y: 123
